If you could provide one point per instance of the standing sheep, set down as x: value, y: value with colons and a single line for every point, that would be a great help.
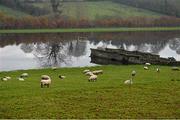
x: 45, y: 81
x: 93, y: 78
x: 97, y: 72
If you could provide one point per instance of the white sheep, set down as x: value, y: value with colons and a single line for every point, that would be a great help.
x: 21, y: 79
x: 93, y: 78
x: 175, y: 68
x: 4, y: 79
x: 128, y: 82
x: 89, y: 74
x: 9, y: 78
x: 24, y: 75
x: 62, y: 77
x: 97, y: 72
x: 146, y: 68
x: 148, y: 64
x: 85, y: 71
x: 45, y: 81
x: 54, y: 68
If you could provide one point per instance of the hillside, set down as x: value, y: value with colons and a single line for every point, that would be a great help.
x: 98, y: 10
x: 168, y: 7
x: 12, y: 12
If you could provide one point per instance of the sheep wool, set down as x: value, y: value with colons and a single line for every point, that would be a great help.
x: 45, y: 81
x: 85, y: 71
x: 97, y: 72
x: 93, y: 78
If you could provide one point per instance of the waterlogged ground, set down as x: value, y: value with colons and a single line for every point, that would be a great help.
x: 31, y: 51
x: 152, y: 95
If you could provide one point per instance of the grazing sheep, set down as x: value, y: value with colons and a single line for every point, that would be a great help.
x: 89, y: 74
x: 146, y: 68
x: 62, y: 77
x: 128, y: 82
x: 93, y: 78
x: 21, y: 79
x: 45, y: 81
x: 97, y: 72
x: 9, y: 78
x: 24, y: 75
x: 54, y: 68
x: 4, y: 79
x: 175, y: 69
x: 85, y: 71
x: 148, y: 64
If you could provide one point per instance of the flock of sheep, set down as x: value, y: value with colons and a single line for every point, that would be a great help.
x: 92, y: 76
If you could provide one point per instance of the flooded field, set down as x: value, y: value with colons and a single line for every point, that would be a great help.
x: 31, y: 51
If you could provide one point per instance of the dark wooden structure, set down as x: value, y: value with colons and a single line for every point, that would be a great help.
x: 120, y: 56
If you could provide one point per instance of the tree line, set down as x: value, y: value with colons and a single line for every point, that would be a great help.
x: 29, y: 22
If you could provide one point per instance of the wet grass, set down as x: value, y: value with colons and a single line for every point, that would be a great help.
x: 73, y: 30
x: 153, y: 95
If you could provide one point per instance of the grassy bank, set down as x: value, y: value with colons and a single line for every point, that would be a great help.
x: 152, y: 95
x: 89, y: 30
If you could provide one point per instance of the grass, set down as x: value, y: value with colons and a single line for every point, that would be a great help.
x: 98, y: 10
x: 152, y: 95
x: 71, y: 30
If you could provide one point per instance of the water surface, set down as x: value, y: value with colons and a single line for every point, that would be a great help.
x: 31, y: 51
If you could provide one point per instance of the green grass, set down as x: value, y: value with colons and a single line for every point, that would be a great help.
x: 12, y: 12
x: 99, y: 10
x: 152, y: 95
x: 89, y: 30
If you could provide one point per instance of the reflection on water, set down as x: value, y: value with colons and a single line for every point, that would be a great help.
x: 73, y: 49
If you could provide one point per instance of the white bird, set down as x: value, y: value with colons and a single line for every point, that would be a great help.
x: 157, y: 70
x: 133, y: 73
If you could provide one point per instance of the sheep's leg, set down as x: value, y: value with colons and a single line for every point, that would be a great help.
x: 41, y: 85
x: 48, y: 85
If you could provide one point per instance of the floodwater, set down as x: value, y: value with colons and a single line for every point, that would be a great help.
x: 32, y: 51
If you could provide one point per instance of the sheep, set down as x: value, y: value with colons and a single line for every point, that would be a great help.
x: 24, y: 75
x: 133, y: 73
x: 128, y: 82
x: 62, y: 77
x: 21, y: 79
x: 175, y: 68
x: 89, y: 74
x: 45, y: 81
x: 4, y: 79
x: 93, y: 78
x: 85, y: 71
x: 148, y: 64
x: 9, y: 78
x: 146, y: 68
x: 54, y: 68
x: 97, y: 72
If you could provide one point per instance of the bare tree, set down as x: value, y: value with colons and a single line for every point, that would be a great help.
x: 57, y: 6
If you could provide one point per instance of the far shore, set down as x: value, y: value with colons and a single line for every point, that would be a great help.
x: 73, y: 30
